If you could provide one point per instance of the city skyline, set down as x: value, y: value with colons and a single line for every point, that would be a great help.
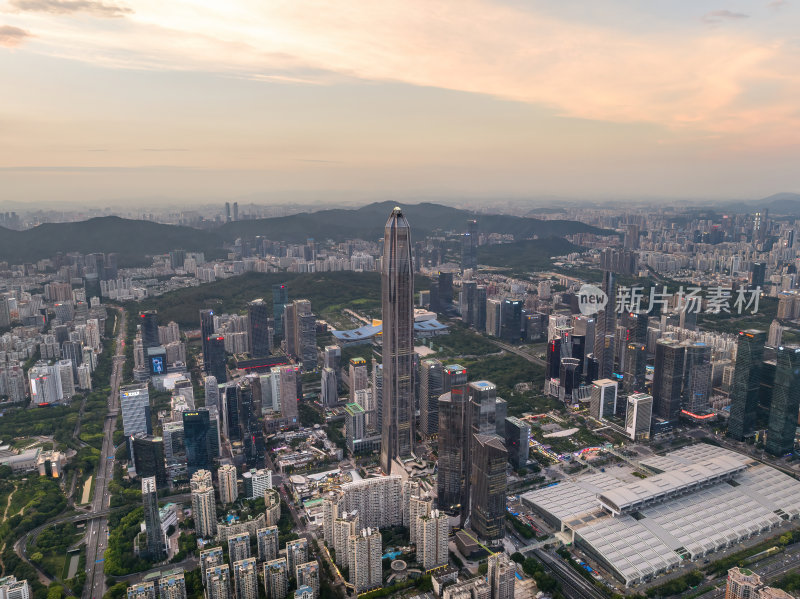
x: 113, y: 101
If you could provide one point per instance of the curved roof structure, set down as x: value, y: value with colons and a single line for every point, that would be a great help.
x: 369, y: 331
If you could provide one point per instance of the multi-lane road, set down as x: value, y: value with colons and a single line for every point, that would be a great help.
x: 97, y: 529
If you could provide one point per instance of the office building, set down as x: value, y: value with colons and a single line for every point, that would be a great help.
x: 746, y: 383
x: 488, y: 487
x: 204, y: 506
x: 200, y: 440
x: 430, y: 388
x: 211, y: 392
x: 300, y: 333
x: 783, y: 413
x: 445, y: 290
x: 148, y: 458
x: 329, y: 388
x: 280, y: 297
x: 218, y: 582
x: 354, y: 427
x: 469, y: 247
x: 135, y: 405
x: 296, y: 553
x: 238, y: 547
x: 638, y: 416
x: 501, y: 576
x: 364, y: 559
x: 148, y: 322
x: 256, y: 482
x: 140, y: 590
x: 217, y: 362
x: 307, y: 575
x: 267, y: 542
x: 775, y: 334
x: 358, y: 378
x: 432, y: 537
x: 206, y: 332
x: 517, y: 439
x: 511, y: 320
x: 697, y: 378
x: 604, y: 399
x: 152, y: 521
x: 397, y: 284
x: 605, y: 327
x: 635, y: 367
x: 276, y: 578
x: 172, y: 586
x: 45, y: 383
x: 454, y: 445
x: 228, y: 488
x: 668, y: 379
x: 258, y: 330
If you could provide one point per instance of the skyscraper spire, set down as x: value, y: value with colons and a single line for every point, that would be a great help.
x: 397, y: 279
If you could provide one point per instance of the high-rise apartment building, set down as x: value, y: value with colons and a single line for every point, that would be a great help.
x: 746, y: 383
x: 296, y: 553
x: 276, y: 578
x: 245, y: 578
x: 397, y: 282
x: 218, y: 582
x: 307, y: 574
x: 228, y: 489
x: 501, y: 576
x: 210, y: 558
x: 238, y: 547
x: 267, y: 542
x: 432, y: 538
x: 140, y: 590
x: 364, y: 559
x: 172, y: 586
x: 204, y: 506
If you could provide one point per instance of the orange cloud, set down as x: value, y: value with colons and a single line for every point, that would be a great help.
x: 11, y: 37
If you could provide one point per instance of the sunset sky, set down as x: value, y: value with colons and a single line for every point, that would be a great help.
x: 102, y: 101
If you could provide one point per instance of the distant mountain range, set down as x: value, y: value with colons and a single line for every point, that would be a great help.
x: 133, y: 240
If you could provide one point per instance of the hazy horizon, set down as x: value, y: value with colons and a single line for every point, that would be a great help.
x: 110, y: 102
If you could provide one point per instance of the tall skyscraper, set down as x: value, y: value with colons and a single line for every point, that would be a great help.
x: 783, y: 412
x: 210, y: 558
x: 605, y: 326
x: 152, y: 521
x: 358, y: 378
x: 329, y: 388
x: 430, y: 388
x: 206, y: 331
x: 199, y: 440
x: 746, y: 382
x: 469, y: 246
x: 511, y: 320
x: 668, y: 379
x: 454, y: 445
x: 258, y: 329
x: 148, y: 458
x: 488, y: 487
x: 216, y: 358
x: 212, y: 392
x: 280, y: 297
x: 697, y: 378
x: 148, y: 320
x: 397, y: 281
x: 517, y: 440
x: 635, y: 367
